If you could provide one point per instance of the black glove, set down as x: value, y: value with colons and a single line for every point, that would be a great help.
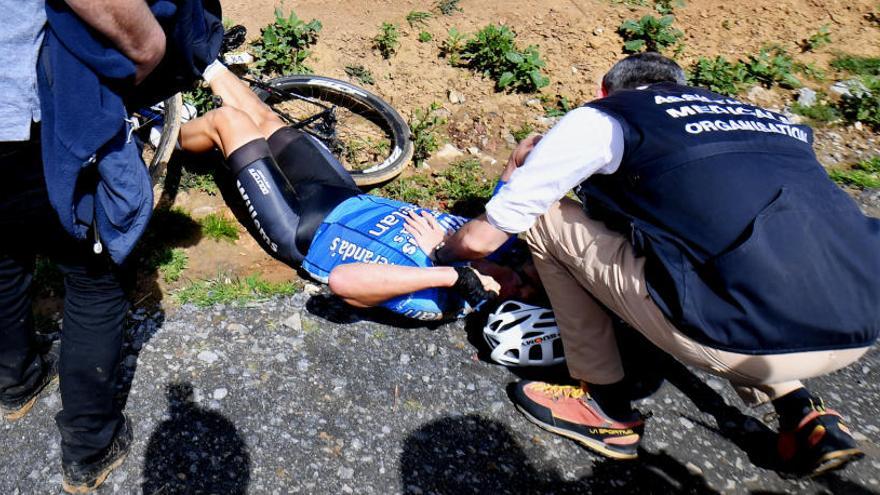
x: 469, y: 287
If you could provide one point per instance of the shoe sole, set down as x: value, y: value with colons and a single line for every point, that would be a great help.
x: 591, y: 443
x: 21, y: 412
x: 92, y: 486
x: 833, y: 461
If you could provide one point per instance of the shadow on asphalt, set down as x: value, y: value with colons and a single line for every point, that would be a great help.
x: 335, y: 310
x: 195, y: 451
x: 472, y: 454
x: 139, y: 328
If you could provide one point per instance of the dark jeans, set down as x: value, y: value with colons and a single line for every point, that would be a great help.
x: 95, y: 306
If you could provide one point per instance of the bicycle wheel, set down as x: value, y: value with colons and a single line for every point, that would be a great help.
x: 162, y: 120
x: 367, y: 135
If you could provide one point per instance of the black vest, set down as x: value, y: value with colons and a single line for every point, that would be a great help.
x: 749, y: 246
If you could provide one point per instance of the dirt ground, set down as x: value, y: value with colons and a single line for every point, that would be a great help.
x: 577, y: 39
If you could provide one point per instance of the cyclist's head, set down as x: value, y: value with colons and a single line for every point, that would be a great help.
x: 642, y: 69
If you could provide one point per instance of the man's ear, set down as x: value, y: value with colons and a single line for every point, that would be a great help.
x: 603, y: 91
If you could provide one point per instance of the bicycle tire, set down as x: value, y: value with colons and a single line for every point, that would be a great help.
x: 157, y: 158
x: 366, y: 105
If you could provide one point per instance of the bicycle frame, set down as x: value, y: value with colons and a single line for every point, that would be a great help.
x: 325, y: 131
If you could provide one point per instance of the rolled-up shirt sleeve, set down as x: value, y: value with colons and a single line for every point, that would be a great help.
x: 584, y: 142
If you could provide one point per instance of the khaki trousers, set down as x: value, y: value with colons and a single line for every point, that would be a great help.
x: 585, y: 268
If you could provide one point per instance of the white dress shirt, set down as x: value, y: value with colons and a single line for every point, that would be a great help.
x: 584, y: 142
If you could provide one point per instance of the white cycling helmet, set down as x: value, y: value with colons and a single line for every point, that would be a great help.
x: 523, y: 335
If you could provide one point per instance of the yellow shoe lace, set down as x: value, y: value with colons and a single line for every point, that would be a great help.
x: 557, y: 391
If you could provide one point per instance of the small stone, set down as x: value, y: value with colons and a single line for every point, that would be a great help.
x: 858, y: 125
x: 598, y: 31
x: 448, y: 152
x: 455, y: 97
x: 203, y: 211
x: 693, y: 469
x: 311, y: 289
x: 130, y: 361
x: 686, y: 422
x: 208, y: 357
x: 473, y: 150
x: 346, y: 473
x: 293, y: 322
x: 237, y: 327
x: 404, y: 359
x: 220, y: 393
x: 807, y: 97
x: 432, y: 349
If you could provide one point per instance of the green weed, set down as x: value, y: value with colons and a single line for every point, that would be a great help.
x: 493, y: 51
x: 665, y: 7
x: 282, y: 48
x: 201, y: 98
x: 719, y: 75
x: 425, y: 36
x: 418, y: 18
x: 864, y: 175
x: 555, y: 106
x: 190, y: 180
x: 387, y: 40
x: 424, y: 124
x: 219, y: 228
x: 862, y: 66
x: 171, y: 263
x: 817, y: 40
x: 416, y: 189
x: 522, y: 132
x: 230, y: 290
x: 773, y: 65
x: 862, y: 104
x: 462, y: 188
x: 448, y: 7
x: 452, y: 46
x: 360, y: 73
x: 820, y: 113
x: 649, y: 33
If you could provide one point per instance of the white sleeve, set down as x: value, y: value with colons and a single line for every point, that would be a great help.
x: 585, y: 142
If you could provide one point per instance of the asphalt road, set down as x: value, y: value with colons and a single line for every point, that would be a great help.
x: 299, y: 395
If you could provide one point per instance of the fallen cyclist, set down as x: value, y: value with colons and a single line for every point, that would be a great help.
x: 308, y: 212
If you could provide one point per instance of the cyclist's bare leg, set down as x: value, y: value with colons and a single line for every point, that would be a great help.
x: 227, y: 128
x: 236, y: 94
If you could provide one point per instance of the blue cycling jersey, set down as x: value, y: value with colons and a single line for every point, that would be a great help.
x: 369, y: 229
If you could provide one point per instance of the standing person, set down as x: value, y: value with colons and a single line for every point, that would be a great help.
x: 709, y: 226
x: 95, y: 435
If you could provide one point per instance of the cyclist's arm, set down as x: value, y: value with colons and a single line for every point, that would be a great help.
x: 130, y: 26
x: 364, y: 285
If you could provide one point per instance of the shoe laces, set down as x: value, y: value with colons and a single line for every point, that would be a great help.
x: 558, y: 391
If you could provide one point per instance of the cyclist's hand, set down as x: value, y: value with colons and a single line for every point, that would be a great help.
x: 489, y: 283
x: 474, y: 287
x: 426, y: 231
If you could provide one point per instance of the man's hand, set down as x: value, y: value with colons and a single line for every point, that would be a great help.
x: 426, y: 231
x: 130, y: 25
x: 519, y: 154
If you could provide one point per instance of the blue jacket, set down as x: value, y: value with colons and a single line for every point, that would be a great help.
x: 94, y: 172
x: 749, y: 246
